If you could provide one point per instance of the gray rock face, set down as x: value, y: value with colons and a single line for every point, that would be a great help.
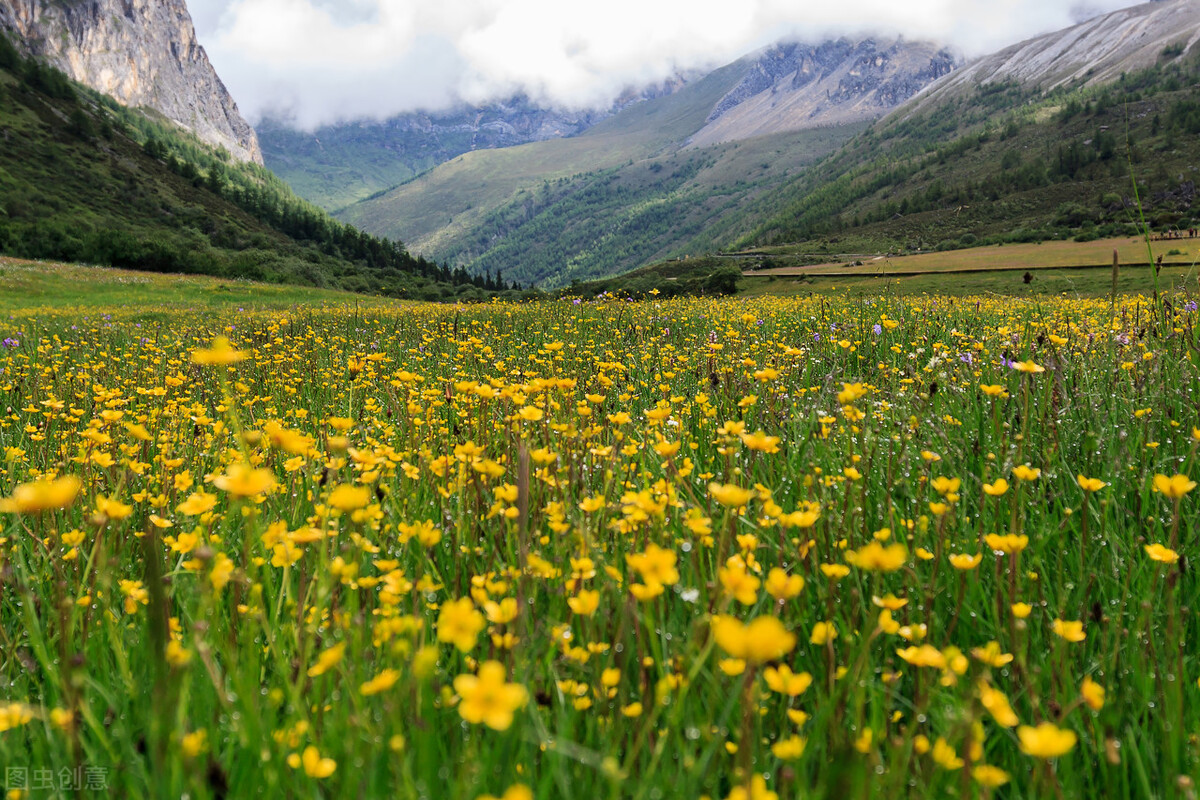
x: 141, y: 53
x: 1093, y: 52
x: 793, y: 86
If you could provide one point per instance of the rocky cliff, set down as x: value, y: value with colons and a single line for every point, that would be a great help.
x: 141, y: 53
x: 1094, y: 52
x: 797, y: 86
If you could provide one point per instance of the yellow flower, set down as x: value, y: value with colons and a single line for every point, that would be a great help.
x: 782, y: 586
x: 761, y: 442
x: 763, y: 639
x: 1025, y: 472
x: 197, y: 503
x: 730, y: 495
x: 992, y: 655
x: 823, y: 633
x: 782, y: 680
x: 758, y: 790
x: 1174, y: 487
x: 875, y: 557
x: 1158, y: 552
x: 925, y: 655
x: 656, y: 565
x: 1046, y: 740
x: 1029, y: 367
x: 220, y: 353
x: 112, y: 508
x: 999, y: 487
x: 1021, y: 610
x: 222, y: 571
x: 993, y: 390
x: 590, y: 504
x: 585, y: 603
x: 1090, y: 484
x: 316, y: 766
x: 503, y: 612
x: 242, y: 480
x: 42, y: 495
x: 945, y: 756
x: 194, y: 743
x: 789, y: 749
x: 380, y: 683
x: 177, y: 655
x: 459, y: 624
x: 518, y: 791
x: 327, y: 660
x: 1072, y: 631
x: 989, y: 776
x: 14, y: 715
x: 530, y: 413
x: 996, y: 703
x: 488, y: 698
x: 1007, y: 543
x: 965, y: 561
x: 347, y: 497
x: 1092, y: 693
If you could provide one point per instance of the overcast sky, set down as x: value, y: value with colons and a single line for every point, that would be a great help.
x: 328, y: 60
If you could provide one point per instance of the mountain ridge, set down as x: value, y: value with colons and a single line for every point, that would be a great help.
x: 342, y: 163
x: 1094, y: 52
x: 435, y: 212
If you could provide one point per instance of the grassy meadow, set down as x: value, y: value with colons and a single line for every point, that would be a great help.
x: 754, y: 548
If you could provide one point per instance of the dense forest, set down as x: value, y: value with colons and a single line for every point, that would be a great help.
x: 84, y: 179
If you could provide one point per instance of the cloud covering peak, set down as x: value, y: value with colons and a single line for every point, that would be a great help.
x: 322, y: 61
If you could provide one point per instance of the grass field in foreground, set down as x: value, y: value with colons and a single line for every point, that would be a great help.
x: 752, y: 548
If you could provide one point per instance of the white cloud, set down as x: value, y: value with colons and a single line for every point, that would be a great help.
x: 325, y: 60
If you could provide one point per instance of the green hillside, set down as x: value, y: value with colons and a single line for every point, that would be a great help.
x: 1004, y: 165
x: 432, y: 210
x: 337, y: 166
x: 84, y: 179
x: 609, y: 221
x: 990, y: 163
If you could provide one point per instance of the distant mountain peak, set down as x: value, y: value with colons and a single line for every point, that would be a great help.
x: 794, y: 86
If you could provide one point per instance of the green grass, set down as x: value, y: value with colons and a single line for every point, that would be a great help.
x: 27, y: 284
x: 439, y: 483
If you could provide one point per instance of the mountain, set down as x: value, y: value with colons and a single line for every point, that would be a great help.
x: 345, y: 162
x: 661, y: 153
x: 1092, y: 53
x: 797, y: 86
x: 143, y: 53
x: 83, y: 178
x: 1045, y: 139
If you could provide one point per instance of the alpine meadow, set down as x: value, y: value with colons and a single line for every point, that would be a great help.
x: 825, y: 424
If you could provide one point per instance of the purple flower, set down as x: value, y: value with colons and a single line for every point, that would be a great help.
x: 877, y: 329
x: 10, y: 342
x: 967, y: 358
